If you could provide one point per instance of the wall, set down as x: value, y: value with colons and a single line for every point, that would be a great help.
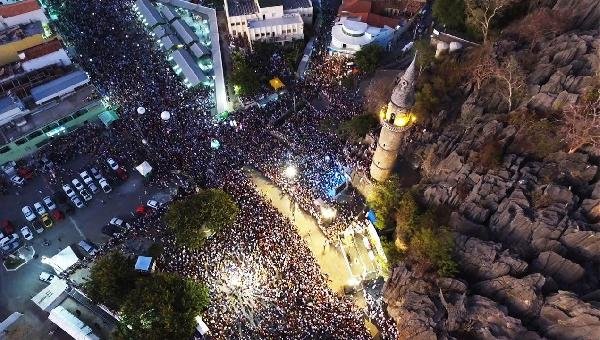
x: 25, y: 18
x: 8, y: 52
x: 57, y: 57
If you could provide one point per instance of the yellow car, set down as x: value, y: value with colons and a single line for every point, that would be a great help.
x: 47, y: 221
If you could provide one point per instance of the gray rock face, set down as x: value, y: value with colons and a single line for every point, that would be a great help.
x: 560, y: 269
x: 521, y: 296
x: 486, y: 260
x: 583, y: 243
x: 565, y: 316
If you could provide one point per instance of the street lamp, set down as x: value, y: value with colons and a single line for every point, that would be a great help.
x: 328, y: 213
x: 290, y: 172
x: 165, y: 115
x: 141, y: 110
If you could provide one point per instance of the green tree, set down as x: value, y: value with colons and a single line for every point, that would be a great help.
x: 111, y: 279
x: 357, y: 127
x: 383, y: 200
x: 245, y: 80
x: 368, y: 58
x: 162, y: 306
x: 425, y: 53
x: 407, y: 216
x: 196, y: 218
x: 450, y: 13
x: 435, y: 247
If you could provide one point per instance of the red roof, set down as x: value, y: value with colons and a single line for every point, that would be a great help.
x: 355, y: 7
x: 41, y: 49
x: 18, y: 8
x: 363, y: 9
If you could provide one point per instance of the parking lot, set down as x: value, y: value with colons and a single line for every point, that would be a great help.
x: 17, y: 287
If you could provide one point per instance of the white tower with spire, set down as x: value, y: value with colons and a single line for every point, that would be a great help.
x: 397, y: 119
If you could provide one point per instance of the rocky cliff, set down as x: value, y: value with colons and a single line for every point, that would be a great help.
x: 527, y: 230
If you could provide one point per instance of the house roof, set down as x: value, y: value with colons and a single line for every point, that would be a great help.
x: 59, y: 84
x: 41, y: 49
x: 19, y: 8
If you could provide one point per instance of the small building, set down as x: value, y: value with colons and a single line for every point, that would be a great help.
x: 268, y: 20
x: 18, y: 38
x: 45, y: 54
x: 59, y: 87
x: 145, y: 264
x: 71, y: 324
x: 151, y: 16
x: 192, y: 73
x: 21, y: 13
x: 349, y: 35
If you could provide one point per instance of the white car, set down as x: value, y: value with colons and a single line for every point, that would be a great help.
x: 28, y: 213
x: 26, y: 233
x: 116, y: 221
x: 67, y: 189
x: 153, y: 204
x: 104, y: 185
x: 38, y: 227
x: 88, y: 247
x: 97, y: 175
x: 113, y: 165
x: 39, y: 208
x: 49, y: 204
x: 17, y: 180
x: 86, y: 178
x: 77, y: 184
x: 46, y: 277
x: 78, y: 203
x: 85, y: 194
x: 6, y: 242
x: 93, y: 187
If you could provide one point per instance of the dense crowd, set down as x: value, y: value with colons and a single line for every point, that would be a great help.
x: 263, y: 279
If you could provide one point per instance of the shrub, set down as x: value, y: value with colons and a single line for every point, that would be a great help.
x: 435, y: 247
x: 357, y: 127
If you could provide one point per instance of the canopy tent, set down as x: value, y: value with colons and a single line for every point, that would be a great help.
x: 9, y: 321
x: 48, y: 295
x: 202, y: 328
x: 276, y: 83
x: 71, y: 324
x: 144, y: 264
x: 107, y: 117
x: 61, y: 261
x: 144, y: 169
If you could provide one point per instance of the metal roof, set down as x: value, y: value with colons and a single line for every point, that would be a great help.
x: 241, y: 7
x: 7, y: 104
x: 184, y: 31
x: 150, y: 13
x: 161, y: 31
x: 60, y: 84
x: 169, y: 41
x: 291, y: 4
x: 199, y: 50
x: 169, y: 13
x: 189, y: 67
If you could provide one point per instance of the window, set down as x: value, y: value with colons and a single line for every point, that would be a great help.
x: 65, y: 120
x: 34, y: 134
x: 50, y: 127
x: 233, y: 24
x: 21, y: 141
x: 5, y: 149
x: 257, y: 35
x: 79, y: 113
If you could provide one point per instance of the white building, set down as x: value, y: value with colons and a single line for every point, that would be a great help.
x: 349, y: 35
x: 46, y: 54
x: 21, y: 13
x: 268, y: 20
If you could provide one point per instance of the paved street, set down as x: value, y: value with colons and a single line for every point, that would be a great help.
x: 17, y: 288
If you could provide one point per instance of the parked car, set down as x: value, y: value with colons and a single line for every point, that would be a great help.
x: 47, y: 221
x: 7, y: 227
x: 77, y: 184
x: 105, y: 186
x: 113, y: 165
x: 10, y: 242
x: 25, y: 173
x: 46, y: 277
x: 58, y: 215
x: 97, y: 175
x: 116, y: 221
x: 77, y: 202
x: 154, y: 204
x: 38, y: 227
x: 85, y: 194
x: 88, y: 247
x: 49, y: 204
x: 28, y: 213
x: 17, y: 180
x: 26, y: 233
x: 93, y: 188
x: 86, y: 177
x: 122, y: 174
x: 111, y: 230
x: 39, y: 208
x: 67, y: 189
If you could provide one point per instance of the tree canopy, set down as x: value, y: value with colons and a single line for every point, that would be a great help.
x: 162, y: 306
x: 244, y: 78
x: 357, y: 127
x: 367, y: 59
x: 111, y: 279
x: 196, y: 218
x: 450, y: 13
x: 383, y: 199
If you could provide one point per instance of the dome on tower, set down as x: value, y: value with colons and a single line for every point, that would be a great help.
x: 403, y: 95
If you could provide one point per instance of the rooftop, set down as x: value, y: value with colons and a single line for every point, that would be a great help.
x: 190, y: 69
x: 291, y: 4
x: 41, y: 49
x: 20, y: 32
x: 58, y: 84
x: 19, y: 8
x: 284, y: 20
x: 48, y: 113
x: 7, y: 104
x: 184, y: 31
x: 241, y: 7
x: 269, y: 3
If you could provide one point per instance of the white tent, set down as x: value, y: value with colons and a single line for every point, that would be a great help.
x: 61, y: 261
x: 48, y: 295
x: 71, y: 324
x: 201, y: 327
x: 9, y: 321
x: 144, y: 169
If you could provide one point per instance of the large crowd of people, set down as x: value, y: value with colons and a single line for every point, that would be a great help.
x: 263, y: 279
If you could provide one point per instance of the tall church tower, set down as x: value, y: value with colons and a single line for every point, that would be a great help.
x: 397, y: 120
